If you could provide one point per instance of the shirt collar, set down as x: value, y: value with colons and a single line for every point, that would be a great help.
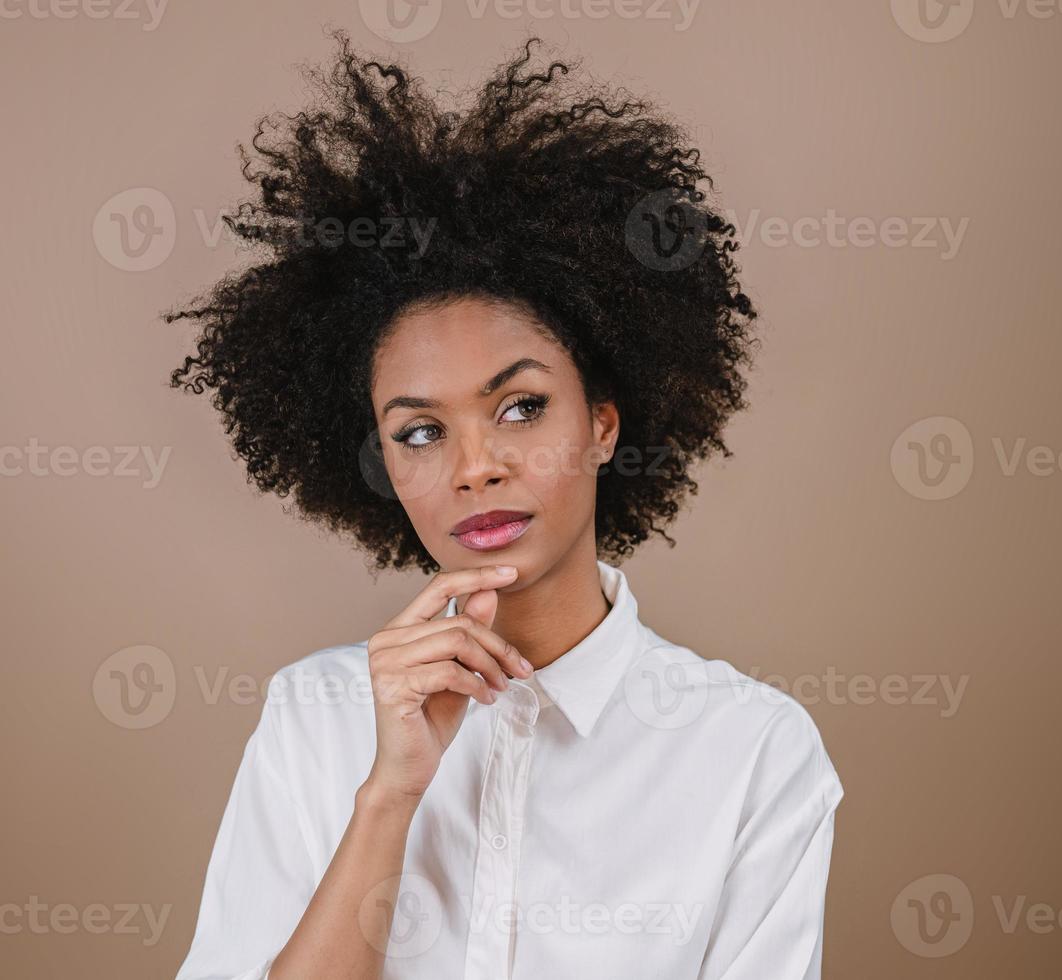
x: 582, y: 680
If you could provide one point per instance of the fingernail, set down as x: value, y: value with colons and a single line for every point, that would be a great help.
x: 525, y: 664
x: 505, y: 569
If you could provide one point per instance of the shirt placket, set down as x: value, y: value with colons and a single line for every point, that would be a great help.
x: 489, y: 955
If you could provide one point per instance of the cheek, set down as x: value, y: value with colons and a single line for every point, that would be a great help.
x: 559, y: 463
x: 423, y: 511
x: 415, y: 479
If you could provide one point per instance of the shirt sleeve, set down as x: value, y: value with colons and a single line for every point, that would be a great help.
x: 769, y: 919
x: 259, y: 879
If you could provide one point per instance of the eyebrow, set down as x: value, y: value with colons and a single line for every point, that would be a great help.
x: 524, y: 364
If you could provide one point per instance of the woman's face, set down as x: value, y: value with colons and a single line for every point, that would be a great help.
x: 478, y: 411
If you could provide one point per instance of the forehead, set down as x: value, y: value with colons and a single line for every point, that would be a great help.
x: 447, y: 352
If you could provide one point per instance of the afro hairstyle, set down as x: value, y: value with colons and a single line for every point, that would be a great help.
x: 571, y: 204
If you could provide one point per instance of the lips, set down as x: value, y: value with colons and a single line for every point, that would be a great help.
x: 493, y: 518
x: 492, y: 531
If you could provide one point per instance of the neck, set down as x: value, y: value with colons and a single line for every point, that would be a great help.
x: 545, y: 620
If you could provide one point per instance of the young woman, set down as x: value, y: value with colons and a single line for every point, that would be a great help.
x: 489, y: 345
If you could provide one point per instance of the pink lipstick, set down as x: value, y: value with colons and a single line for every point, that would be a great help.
x: 492, y: 530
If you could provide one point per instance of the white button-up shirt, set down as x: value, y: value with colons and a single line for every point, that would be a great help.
x: 631, y: 811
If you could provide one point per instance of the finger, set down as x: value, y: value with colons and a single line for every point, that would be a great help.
x: 451, y: 644
x: 507, y: 655
x: 482, y: 605
x: 500, y: 648
x: 449, y: 675
x: 432, y: 599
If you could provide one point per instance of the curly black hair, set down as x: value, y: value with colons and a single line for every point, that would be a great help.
x: 554, y: 201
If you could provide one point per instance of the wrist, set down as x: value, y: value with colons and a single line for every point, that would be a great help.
x: 375, y: 796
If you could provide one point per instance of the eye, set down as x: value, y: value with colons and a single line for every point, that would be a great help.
x: 418, y: 438
x: 406, y: 437
x: 535, y: 403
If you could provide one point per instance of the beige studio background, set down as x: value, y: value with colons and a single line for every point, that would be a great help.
x: 894, y: 172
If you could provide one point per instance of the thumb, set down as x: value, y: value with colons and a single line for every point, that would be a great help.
x: 482, y: 605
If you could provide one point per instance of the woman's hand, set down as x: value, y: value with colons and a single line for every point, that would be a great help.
x: 424, y: 671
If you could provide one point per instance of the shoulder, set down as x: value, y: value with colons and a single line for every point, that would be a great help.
x: 322, y: 668
x: 323, y: 695
x: 763, y: 724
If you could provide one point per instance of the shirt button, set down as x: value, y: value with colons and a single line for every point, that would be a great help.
x: 498, y: 841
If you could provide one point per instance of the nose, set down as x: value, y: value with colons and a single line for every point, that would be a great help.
x: 480, y: 459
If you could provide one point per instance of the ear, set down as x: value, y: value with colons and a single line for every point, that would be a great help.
x: 606, y: 426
